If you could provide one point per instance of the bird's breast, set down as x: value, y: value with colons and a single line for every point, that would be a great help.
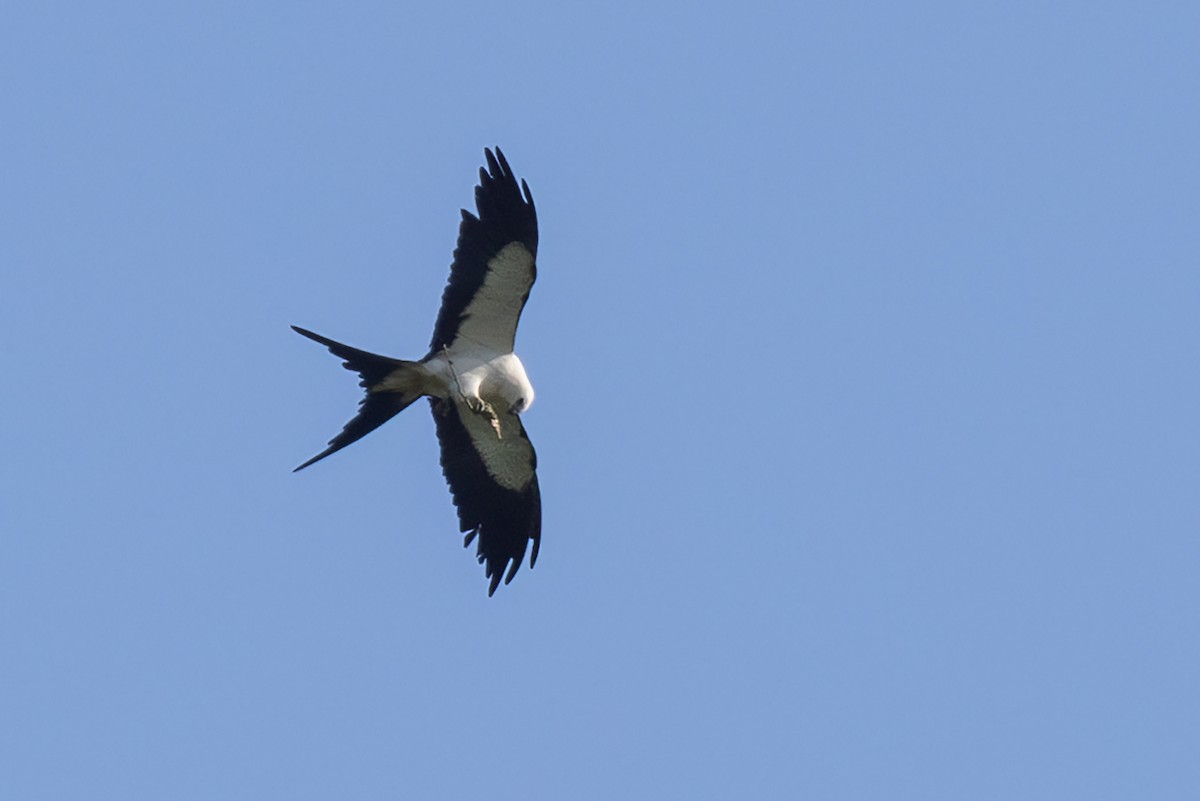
x: 499, y: 379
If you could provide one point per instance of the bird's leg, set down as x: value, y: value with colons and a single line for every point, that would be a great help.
x: 477, y: 405
x: 482, y: 407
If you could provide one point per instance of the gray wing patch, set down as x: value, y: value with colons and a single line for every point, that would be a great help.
x: 490, y: 319
x: 501, y: 443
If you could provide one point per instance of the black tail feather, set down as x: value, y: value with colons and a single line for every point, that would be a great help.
x: 376, y: 408
x: 371, y: 366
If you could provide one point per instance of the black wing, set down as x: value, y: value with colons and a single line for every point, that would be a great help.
x: 493, y: 480
x: 494, y: 263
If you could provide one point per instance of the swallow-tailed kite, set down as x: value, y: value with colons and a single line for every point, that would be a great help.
x: 476, y: 385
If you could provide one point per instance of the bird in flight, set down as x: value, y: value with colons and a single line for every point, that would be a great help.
x: 476, y: 385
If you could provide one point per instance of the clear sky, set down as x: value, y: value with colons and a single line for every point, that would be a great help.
x: 865, y: 342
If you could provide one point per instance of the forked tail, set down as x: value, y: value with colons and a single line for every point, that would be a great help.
x: 391, y: 384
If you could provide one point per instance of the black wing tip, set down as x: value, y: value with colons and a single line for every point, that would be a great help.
x: 503, y: 556
x: 494, y: 573
x: 496, y: 167
x: 497, y: 163
x: 495, y: 565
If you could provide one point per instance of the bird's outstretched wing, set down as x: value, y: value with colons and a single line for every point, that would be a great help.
x: 491, y: 467
x: 494, y: 264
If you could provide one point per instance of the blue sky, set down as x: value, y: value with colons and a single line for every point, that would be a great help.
x: 865, y: 341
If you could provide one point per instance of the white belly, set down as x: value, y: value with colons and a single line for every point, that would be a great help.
x: 498, y: 379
